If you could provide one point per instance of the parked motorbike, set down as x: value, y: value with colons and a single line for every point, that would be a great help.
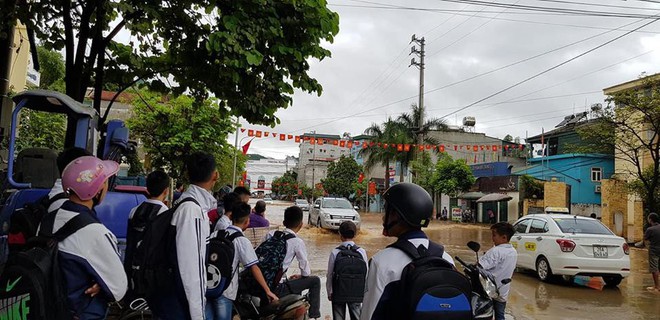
x: 289, y: 307
x: 484, y: 288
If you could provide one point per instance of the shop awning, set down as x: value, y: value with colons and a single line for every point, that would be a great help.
x: 471, y: 195
x: 495, y: 197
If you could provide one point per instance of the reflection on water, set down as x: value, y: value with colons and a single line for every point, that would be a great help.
x: 530, y: 298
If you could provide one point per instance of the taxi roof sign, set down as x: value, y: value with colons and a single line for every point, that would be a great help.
x: 556, y: 210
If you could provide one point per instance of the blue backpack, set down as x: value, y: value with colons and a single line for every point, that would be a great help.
x: 219, y: 262
x: 430, y: 287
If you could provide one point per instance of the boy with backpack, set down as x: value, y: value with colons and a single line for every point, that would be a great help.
x: 158, y: 183
x: 500, y: 261
x: 174, y: 268
x: 220, y: 307
x: 229, y: 201
x: 347, y: 271
x: 413, y: 269
x: 88, y: 256
x: 295, y: 248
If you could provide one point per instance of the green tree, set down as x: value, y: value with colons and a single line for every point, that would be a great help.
x: 422, y: 168
x: 51, y: 69
x: 188, y: 129
x: 286, y: 185
x: 531, y: 188
x: 629, y: 128
x: 508, y: 138
x: 341, y: 176
x: 411, y: 128
x: 307, y: 192
x: 452, y: 176
x: 249, y: 54
x: 379, y: 154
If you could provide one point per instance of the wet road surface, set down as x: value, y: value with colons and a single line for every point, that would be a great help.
x: 529, y: 298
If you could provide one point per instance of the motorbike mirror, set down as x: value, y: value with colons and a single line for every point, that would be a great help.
x: 474, y: 246
x: 506, y: 281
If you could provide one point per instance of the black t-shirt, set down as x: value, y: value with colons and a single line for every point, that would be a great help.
x: 652, y: 234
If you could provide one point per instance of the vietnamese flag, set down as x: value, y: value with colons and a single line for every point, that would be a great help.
x: 406, y: 147
x: 349, y: 144
x: 428, y: 147
x: 335, y: 142
x: 442, y: 148
x: 266, y: 134
x: 258, y: 134
x: 320, y: 142
x: 250, y: 133
x: 421, y: 147
x: 399, y: 147
x: 384, y: 145
x: 312, y: 141
x: 475, y: 148
x: 282, y: 137
x: 290, y: 137
x: 297, y: 139
x: 342, y: 143
x: 364, y: 145
x: 494, y: 148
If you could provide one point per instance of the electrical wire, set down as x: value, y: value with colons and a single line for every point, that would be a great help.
x: 549, y: 69
x: 596, y: 5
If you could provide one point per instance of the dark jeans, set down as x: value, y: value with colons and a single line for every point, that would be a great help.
x: 499, y: 309
x: 311, y: 283
x: 339, y: 310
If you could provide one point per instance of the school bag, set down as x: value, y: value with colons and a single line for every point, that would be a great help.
x: 31, y: 285
x: 154, y: 264
x: 271, y: 255
x: 348, y: 275
x: 430, y: 287
x: 143, y: 215
x: 24, y: 222
x: 219, y: 262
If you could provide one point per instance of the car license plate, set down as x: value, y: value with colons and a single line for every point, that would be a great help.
x: 600, y: 252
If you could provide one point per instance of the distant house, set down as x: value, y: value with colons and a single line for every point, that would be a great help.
x: 564, y: 138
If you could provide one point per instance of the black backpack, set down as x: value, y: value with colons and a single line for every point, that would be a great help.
x: 430, y: 287
x: 154, y: 267
x: 348, y: 275
x: 271, y: 255
x: 137, y: 225
x: 32, y: 285
x: 24, y: 222
x: 219, y: 262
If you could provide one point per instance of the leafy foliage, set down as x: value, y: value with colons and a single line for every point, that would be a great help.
x: 286, y: 185
x: 629, y: 127
x: 249, y: 54
x: 452, y: 176
x: 341, y: 176
x: 531, y: 188
x: 508, y: 138
x: 172, y: 129
x: 376, y: 154
x: 422, y: 168
x: 409, y: 125
x: 52, y: 69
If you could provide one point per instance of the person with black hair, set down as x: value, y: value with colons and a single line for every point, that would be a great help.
x: 230, y: 200
x: 257, y: 217
x: 652, y: 235
x: 221, y: 307
x: 408, y: 208
x: 243, y: 193
x: 56, y: 195
x: 295, y: 248
x: 158, y: 183
x: 500, y: 261
x: 190, y: 229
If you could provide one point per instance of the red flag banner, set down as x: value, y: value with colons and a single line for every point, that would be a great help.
x: 250, y: 133
x: 246, y: 147
x: 442, y: 148
x: 312, y: 141
x: 349, y: 144
x: 421, y: 147
x: 342, y: 143
x: 481, y: 147
x: 371, y: 144
x: 298, y: 139
x: 320, y: 142
x: 242, y: 130
x: 274, y: 134
x: 290, y: 137
x: 385, y: 145
x: 335, y: 142
x: 406, y: 147
x: 258, y: 134
x: 494, y: 148
x: 282, y: 137
x: 428, y: 147
x: 399, y: 147
x: 475, y: 148
x: 364, y: 145
x: 266, y: 134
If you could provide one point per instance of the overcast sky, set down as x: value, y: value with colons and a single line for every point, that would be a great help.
x: 368, y: 79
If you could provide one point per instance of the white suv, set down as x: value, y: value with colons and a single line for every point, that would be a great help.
x: 329, y: 213
x: 562, y: 244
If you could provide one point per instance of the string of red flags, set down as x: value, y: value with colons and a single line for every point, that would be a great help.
x: 400, y: 147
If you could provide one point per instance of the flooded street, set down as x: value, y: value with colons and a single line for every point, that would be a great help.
x: 530, y: 298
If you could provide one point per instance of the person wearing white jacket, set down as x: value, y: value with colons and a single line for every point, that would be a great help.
x: 191, y: 225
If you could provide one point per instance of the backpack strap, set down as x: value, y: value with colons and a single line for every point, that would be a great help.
x: 184, y: 200
x: 57, y: 197
x: 409, y: 249
x: 234, y: 235
x: 74, y: 224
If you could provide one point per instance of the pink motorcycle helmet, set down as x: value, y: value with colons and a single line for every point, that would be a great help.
x: 85, y: 176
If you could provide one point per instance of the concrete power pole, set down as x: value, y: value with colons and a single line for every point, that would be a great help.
x: 420, y: 65
x: 313, y: 165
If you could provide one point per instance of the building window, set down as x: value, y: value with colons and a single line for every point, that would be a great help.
x: 596, y: 174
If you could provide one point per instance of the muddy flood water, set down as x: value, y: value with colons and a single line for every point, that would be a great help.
x: 529, y: 298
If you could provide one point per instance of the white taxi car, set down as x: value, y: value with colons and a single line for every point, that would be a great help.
x: 567, y: 245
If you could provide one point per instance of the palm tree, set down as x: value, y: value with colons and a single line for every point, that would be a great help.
x: 388, y: 132
x: 409, y: 124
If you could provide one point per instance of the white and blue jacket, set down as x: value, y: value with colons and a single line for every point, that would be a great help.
x: 86, y: 257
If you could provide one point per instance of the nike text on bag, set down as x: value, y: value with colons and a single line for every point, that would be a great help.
x: 349, y: 275
x: 31, y: 285
x: 154, y: 261
x: 430, y: 287
x: 219, y: 261
x: 271, y: 255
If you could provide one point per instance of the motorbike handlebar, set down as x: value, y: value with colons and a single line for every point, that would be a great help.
x: 461, y: 262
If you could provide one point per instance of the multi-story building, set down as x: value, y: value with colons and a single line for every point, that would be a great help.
x: 315, y: 157
x: 260, y: 173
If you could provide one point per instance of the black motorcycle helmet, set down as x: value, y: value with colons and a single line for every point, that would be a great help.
x: 412, y: 203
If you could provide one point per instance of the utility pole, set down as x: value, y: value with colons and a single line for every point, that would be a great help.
x: 313, y: 165
x: 233, y: 184
x: 420, y: 65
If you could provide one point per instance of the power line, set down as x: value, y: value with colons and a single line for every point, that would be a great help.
x: 549, y: 69
x: 597, y: 5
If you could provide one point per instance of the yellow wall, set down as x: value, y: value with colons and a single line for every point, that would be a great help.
x: 556, y: 194
x: 19, y: 61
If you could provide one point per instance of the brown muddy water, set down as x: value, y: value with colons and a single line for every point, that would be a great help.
x: 529, y: 299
